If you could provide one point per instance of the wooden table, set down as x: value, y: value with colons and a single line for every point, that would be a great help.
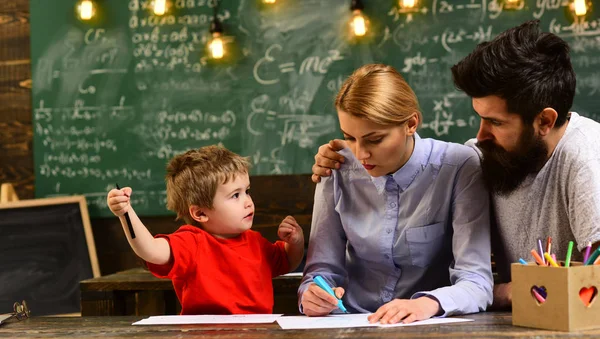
x: 138, y: 292
x: 496, y: 325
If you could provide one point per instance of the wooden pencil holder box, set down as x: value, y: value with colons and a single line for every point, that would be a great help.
x: 563, y: 308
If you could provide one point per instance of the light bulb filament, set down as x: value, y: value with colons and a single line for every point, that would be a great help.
x: 160, y: 7
x: 408, y: 3
x: 216, y: 47
x: 86, y: 9
x: 580, y: 7
x: 359, y: 25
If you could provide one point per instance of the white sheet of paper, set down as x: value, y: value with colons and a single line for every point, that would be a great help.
x: 350, y: 320
x: 209, y: 319
x: 4, y: 317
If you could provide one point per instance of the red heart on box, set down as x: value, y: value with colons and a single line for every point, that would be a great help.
x: 588, y: 294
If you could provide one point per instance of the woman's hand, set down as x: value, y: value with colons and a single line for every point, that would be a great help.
x: 316, y: 302
x: 406, y: 310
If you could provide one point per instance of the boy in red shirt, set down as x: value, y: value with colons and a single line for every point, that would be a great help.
x: 216, y: 263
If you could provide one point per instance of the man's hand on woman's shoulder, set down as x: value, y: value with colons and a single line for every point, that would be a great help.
x: 327, y: 159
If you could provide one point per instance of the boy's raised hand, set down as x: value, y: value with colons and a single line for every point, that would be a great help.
x: 290, y: 232
x: 118, y: 200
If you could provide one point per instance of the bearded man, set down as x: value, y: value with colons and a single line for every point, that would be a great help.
x: 540, y: 161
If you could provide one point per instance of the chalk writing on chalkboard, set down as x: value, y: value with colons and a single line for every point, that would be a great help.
x: 115, y: 101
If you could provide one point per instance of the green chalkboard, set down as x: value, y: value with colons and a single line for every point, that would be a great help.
x: 113, y: 100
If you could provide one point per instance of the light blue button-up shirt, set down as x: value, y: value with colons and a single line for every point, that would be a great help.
x: 423, y: 230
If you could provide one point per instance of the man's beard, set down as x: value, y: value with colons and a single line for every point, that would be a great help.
x: 504, y: 171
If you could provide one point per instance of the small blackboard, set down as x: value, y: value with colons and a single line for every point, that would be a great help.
x: 47, y: 248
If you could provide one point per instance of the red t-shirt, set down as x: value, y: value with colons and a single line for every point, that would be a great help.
x: 222, y: 276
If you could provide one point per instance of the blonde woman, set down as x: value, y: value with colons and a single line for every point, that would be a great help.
x: 402, y: 228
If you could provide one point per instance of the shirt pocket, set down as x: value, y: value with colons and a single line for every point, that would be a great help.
x: 424, y: 243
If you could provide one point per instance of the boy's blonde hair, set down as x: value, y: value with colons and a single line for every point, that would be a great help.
x: 378, y: 93
x: 194, y: 176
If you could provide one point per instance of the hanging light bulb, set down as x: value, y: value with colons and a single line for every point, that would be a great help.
x: 216, y: 46
x: 358, y: 22
x: 86, y: 9
x: 580, y: 7
x: 408, y: 4
x: 160, y: 7
x: 514, y: 4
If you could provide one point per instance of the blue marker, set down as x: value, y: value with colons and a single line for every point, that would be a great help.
x: 324, y: 285
x: 522, y: 261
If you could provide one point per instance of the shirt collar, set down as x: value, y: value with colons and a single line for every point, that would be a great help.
x: 409, y: 171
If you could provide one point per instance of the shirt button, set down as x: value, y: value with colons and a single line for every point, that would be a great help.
x: 388, y: 231
x: 392, y: 205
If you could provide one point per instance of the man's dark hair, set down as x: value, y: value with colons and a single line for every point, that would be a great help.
x: 528, y: 68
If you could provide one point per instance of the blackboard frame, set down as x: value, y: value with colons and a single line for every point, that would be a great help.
x: 81, y: 206
x: 85, y: 219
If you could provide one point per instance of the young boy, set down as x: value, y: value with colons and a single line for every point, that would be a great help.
x: 217, y: 264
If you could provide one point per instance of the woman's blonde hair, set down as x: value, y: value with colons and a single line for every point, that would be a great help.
x: 378, y: 93
x: 194, y: 177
